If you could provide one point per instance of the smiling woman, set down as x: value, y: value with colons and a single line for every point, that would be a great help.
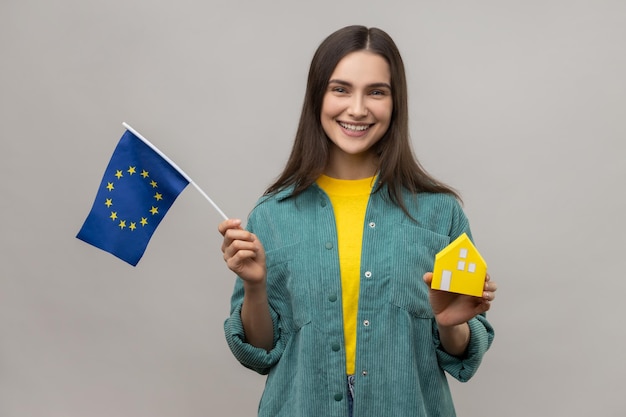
x: 332, y: 298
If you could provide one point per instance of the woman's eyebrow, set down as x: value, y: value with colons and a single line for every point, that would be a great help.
x: 347, y: 84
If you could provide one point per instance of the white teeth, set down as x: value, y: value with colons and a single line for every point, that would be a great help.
x: 356, y: 128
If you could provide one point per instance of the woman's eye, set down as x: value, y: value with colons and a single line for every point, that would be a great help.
x: 339, y: 89
x: 377, y: 93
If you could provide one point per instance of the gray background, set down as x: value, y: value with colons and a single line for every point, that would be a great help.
x: 519, y: 104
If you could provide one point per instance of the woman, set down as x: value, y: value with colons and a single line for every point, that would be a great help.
x: 332, y: 299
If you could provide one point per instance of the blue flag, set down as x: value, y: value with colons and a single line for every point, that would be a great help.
x: 138, y: 188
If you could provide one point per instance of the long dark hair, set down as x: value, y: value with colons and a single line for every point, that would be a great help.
x: 399, y: 168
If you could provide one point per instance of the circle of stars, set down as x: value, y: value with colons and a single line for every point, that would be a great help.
x: 125, y: 224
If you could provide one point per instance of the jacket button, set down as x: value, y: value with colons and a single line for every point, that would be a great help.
x: 338, y: 396
x: 335, y: 347
x: 366, y: 323
x: 368, y: 274
x: 329, y: 245
x: 332, y: 298
x: 372, y: 225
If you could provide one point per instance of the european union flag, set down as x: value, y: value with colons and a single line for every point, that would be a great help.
x: 138, y: 188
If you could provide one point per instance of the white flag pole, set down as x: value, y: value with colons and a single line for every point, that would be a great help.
x: 176, y: 167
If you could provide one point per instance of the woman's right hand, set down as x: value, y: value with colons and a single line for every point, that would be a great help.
x: 245, y: 256
x: 243, y: 252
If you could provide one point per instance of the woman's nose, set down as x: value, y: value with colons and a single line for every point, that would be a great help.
x: 358, y: 108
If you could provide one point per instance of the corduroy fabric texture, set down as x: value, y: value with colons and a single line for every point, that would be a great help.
x: 400, y: 366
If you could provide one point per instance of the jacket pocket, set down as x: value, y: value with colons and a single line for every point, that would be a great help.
x: 413, y: 256
x: 288, y: 287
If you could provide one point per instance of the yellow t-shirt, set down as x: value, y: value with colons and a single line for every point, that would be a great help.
x: 349, y: 200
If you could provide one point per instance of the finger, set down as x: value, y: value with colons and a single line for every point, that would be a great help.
x: 428, y: 278
x: 239, y: 234
x: 490, y: 286
x: 236, y: 246
x: 228, y: 224
x: 240, y: 257
x: 489, y: 296
x: 244, y: 245
x: 234, y: 235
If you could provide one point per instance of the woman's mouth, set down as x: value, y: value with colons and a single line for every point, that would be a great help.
x: 356, y: 128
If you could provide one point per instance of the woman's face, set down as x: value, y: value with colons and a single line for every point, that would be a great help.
x: 357, y: 107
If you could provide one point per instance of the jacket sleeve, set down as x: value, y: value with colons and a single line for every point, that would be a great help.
x: 252, y: 357
x: 481, y: 332
x: 463, y: 368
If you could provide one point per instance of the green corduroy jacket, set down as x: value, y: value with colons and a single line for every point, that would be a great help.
x: 399, y: 361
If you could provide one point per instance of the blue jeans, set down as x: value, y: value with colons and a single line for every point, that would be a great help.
x: 350, y: 395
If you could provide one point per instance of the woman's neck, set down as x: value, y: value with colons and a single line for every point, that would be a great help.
x: 351, y: 167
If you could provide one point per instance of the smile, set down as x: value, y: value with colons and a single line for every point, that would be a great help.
x: 354, y: 128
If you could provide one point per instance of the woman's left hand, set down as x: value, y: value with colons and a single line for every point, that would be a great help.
x: 451, y: 309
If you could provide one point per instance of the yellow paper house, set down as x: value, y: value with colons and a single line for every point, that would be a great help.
x: 460, y: 268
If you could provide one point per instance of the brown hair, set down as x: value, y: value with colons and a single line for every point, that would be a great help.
x: 398, y: 166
